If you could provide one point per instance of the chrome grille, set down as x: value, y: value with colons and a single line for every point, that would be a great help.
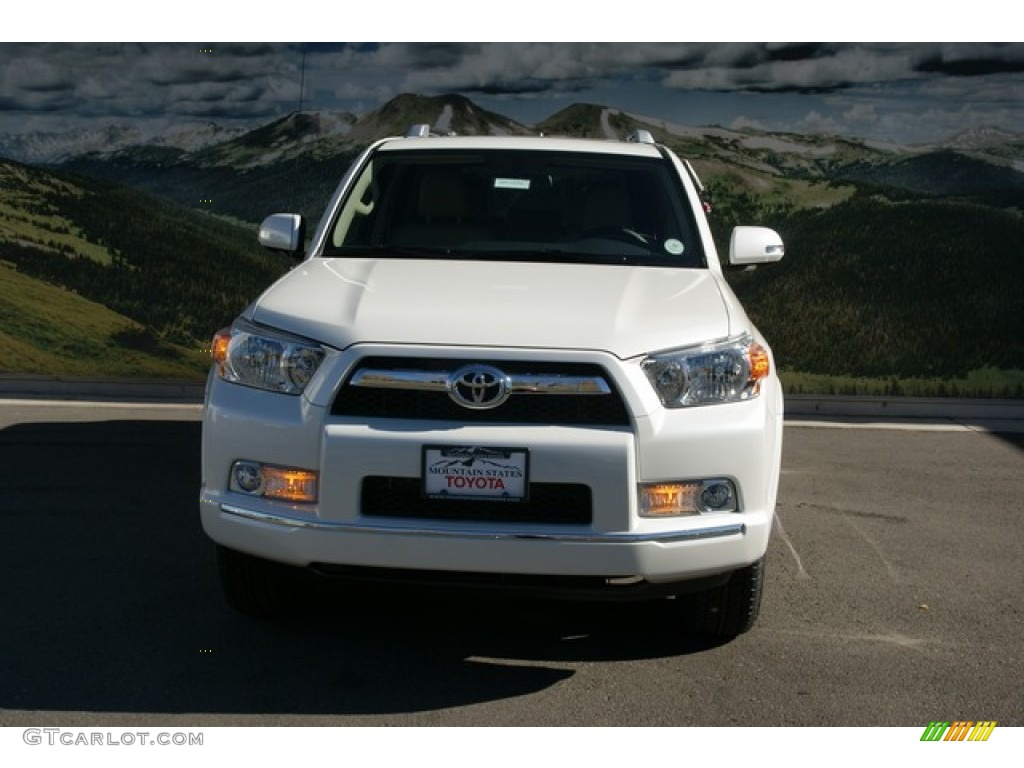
x: 539, y: 393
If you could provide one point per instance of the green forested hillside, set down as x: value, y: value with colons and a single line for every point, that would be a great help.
x: 944, y: 174
x: 879, y: 283
x: 302, y: 184
x: 882, y: 288
x: 46, y: 329
x: 177, y: 275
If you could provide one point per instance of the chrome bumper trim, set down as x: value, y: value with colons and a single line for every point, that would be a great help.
x: 710, y: 532
x: 517, y: 384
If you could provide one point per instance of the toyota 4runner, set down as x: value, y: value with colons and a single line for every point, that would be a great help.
x: 505, y: 362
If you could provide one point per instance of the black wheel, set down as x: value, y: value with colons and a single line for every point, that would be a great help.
x: 260, y: 587
x: 728, y: 611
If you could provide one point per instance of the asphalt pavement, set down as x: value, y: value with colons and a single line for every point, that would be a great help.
x: 892, y: 598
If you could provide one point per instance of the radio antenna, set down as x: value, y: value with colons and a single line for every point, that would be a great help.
x: 302, y: 78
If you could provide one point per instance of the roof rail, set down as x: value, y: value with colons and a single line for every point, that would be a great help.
x: 418, y: 131
x: 640, y: 136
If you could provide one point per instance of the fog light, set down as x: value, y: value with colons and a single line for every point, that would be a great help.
x: 289, y: 484
x: 687, y: 497
x: 668, y: 499
x: 272, y: 482
x: 717, y: 496
x: 247, y: 477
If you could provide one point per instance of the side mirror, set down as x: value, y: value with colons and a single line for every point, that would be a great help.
x: 283, y: 232
x: 750, y: 246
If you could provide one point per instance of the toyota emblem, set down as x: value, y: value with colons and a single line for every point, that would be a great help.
x: 478, y: 387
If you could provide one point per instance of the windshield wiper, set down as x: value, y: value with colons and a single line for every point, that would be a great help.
x: 538, y: 254
x: 403, y: 251
x: 555, y: 255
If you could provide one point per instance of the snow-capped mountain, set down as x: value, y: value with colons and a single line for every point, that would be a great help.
x: 984, y: 137
x: 51, y: 148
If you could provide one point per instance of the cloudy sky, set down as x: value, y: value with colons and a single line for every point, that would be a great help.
x: 896, y: 92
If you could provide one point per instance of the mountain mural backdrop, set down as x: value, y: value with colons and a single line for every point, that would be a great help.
x: 903, y: 271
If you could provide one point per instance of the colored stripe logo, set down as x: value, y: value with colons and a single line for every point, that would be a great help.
x: 959, y: 730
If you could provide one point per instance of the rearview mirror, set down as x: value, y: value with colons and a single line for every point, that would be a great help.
x: 283, y: 232
x: 750, y: 246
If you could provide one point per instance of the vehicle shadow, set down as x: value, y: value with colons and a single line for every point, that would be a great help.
x: 1016, y: 439
x: 111, y: 604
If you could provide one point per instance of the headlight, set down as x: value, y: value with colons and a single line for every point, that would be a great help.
x: 719, y: 372
x: 252, y: 356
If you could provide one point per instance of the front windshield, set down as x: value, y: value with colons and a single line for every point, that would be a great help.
x: 516, y: 205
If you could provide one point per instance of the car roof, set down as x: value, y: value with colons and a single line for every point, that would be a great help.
x: 521, y: 143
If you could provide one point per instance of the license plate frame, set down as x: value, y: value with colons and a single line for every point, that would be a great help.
x: 476, y: 473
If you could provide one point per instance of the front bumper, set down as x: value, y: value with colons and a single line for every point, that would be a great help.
x: 740, y: 441
x: 654, y: 557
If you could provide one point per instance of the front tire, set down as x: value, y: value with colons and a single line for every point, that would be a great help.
x: 727, y: 611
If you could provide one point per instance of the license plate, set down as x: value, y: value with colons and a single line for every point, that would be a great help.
x: 472, y: 472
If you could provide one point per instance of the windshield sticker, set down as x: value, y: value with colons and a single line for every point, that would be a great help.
x: 511, y: 183
x: 673, y: 246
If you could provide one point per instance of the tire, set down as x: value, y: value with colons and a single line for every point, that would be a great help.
x: 725, y: 612
x: 258, y: 587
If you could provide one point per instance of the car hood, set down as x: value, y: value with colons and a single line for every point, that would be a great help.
x: 626, y: 311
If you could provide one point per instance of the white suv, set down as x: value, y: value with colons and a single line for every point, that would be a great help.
x: 508, y: 362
